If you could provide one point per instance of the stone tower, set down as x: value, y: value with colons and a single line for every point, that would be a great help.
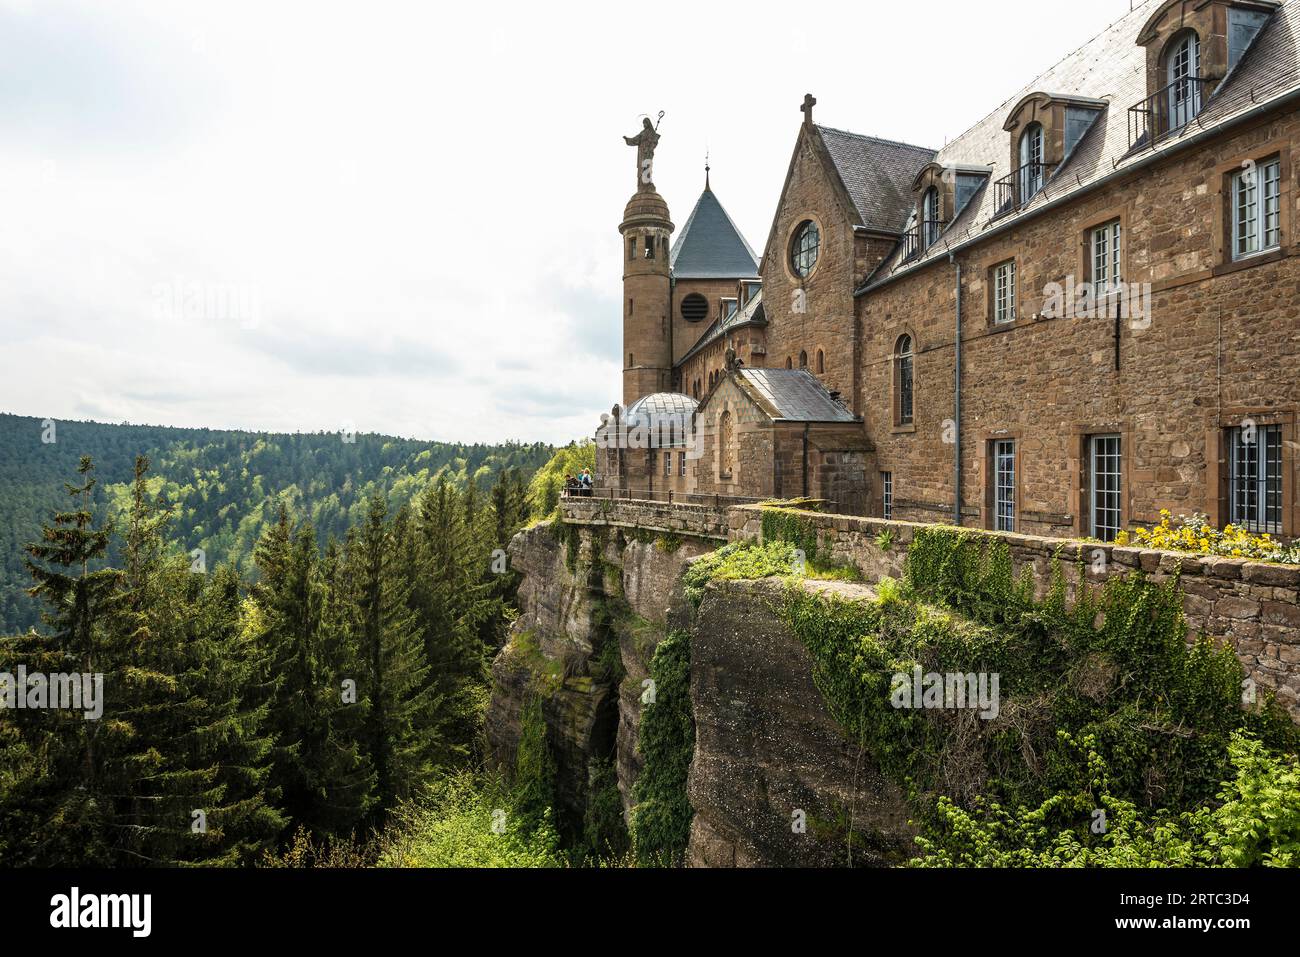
x: 647, y: 286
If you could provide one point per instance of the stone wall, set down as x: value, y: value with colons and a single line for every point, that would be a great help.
x: 696, y: 521
x: 1219, y: 347
x: 1253, y: 605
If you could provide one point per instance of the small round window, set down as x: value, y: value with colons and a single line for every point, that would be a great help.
x: 804, y: 249
x: 694, y: 307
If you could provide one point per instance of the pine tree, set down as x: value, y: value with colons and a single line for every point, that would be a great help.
x: 74, y: 802
x: 402, y: 731
x: 455, y: 605
x: 323, y: 780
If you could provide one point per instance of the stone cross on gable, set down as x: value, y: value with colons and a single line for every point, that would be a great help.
x: 809, y: 101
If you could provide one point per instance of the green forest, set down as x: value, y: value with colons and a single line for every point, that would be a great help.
x: 222, y: 487
x: 280, y: 701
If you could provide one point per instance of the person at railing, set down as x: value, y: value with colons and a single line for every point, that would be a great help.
x: 585, y: 480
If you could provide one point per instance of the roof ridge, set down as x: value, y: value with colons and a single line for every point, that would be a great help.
x: 876, y: 139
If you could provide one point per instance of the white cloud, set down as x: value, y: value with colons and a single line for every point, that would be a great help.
x: 423, y: 198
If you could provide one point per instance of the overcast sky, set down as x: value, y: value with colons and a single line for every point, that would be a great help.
x: 401, y: 217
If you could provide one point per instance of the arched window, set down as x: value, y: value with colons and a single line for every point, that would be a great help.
x: 821, y: 362
x: 930, y: 215
x: 903, y: 381
x: 805, y: 247
x: 789, y: 363
x: 803, y: 360
x: 1182, y: 71
x: 1031, y: 162
x: 724, y: 445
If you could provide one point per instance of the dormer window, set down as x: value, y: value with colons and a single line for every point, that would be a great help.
x: 1029, y: 176
x: 728, y: 309
x: 1191, y: 45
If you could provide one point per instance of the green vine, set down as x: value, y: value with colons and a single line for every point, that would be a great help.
x: 661, y: 816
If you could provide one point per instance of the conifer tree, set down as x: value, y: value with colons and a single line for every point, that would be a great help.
x: 322, y: 779
x: 75, y: 804
x: 402, y: 729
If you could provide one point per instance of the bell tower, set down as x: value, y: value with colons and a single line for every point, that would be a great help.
x: 647, y: 285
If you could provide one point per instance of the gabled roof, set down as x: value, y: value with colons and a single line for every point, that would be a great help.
x: 710, y: 246
x: 751, y: 315
x: 1111, y: 67
x: 792, y: 395
x: 877, y: 175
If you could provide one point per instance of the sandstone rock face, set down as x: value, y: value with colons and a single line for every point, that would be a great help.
x: 617, y: 589
x: 767, y: 748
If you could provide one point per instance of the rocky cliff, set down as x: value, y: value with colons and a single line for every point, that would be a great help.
x: 593, y: 604
x: 773, y: 781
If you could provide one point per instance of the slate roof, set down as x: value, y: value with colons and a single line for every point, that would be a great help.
x: 1110, y: 67
x: 793, y: 395
x: 710, y: 246
x: 751, y: 314
x: 877, y: 173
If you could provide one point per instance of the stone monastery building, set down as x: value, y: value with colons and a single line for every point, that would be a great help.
x: 1082, y: 310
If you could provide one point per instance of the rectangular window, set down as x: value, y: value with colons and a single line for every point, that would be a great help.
x: 887, y: 495
x: 1004, y: 487
x: 649, y: 247
x: 1105, y: 485
x: 682, y: 457
x: 631, y: 247
x: 1106, y: 244
x: 1004, y: 292
x: 1257, y: 209
x: 728, y: 308
x: 1255, y: 478
x: 668, y: 464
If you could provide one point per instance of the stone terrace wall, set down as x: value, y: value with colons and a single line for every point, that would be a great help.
x: 696, y: 521
x: 1252, y: 605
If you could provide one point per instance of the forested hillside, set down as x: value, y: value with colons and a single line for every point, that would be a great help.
x: 224, y: 487
x: 303, y: 702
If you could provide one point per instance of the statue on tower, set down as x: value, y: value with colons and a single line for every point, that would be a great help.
x: 645, y: 143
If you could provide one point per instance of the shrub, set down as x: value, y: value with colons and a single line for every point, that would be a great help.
x: 1195, y: 534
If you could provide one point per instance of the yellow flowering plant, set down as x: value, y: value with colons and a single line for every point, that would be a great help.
x: 1195, y: 534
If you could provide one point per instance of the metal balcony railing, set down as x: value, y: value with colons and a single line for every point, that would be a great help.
x: 1167, y: 110
x: 921, y: 237
x: 1017, y: 188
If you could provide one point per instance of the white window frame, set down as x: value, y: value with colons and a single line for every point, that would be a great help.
x: 887, y: 495
x: 1257, y: 209
x: 1004, y: 292
x: 1105, y: 486
x: 1004, y: 485
x: 1183, y: 69
x: 1106, y: 244
x: 1031, y: 158
x: 930, y: 218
